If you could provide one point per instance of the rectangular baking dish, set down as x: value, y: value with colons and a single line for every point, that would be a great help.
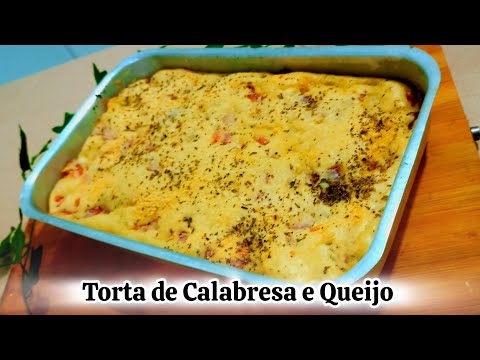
x: 404, y: 63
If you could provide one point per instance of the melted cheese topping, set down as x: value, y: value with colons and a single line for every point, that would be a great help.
x: 281, y: 175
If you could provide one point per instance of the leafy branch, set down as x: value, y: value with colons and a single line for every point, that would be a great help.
x: 13, y: 245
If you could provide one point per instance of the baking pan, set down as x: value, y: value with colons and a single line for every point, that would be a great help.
x: 404, y: 63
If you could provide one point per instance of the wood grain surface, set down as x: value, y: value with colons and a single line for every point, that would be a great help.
x: 433, y: 265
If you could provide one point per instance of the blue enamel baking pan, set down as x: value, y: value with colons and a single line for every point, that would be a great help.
x: 405, y: 63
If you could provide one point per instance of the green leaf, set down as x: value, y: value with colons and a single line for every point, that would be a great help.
x: 44, y: 148
x: 23, y: 157
x: 288, y: 45
x: 5, y: 244
x: 214, y: 46
x: 66, y: 119
x: 163, y: 46
x: 98, y: 75
x: 18, y: 242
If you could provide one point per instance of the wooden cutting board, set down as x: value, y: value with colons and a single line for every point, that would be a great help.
x: 434, y: 263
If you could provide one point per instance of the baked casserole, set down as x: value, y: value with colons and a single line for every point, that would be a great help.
x: 284, y: 175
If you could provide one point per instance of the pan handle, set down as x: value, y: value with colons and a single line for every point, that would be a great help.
x: 475, y: 130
